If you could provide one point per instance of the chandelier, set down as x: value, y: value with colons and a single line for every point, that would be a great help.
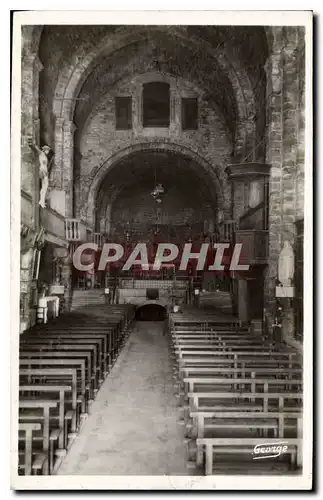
x: 158, y: 191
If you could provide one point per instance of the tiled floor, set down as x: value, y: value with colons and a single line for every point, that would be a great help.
x: 133, y: 426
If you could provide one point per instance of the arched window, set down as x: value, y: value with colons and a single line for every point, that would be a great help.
x: 156, y: 104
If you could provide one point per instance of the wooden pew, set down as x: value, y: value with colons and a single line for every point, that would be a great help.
x: 101, y: 366
x: 58, y: 393
x: 243, y: 370
x: 247, y: 350
x: 44, y: 406
x: 43, y: 346
x: 244, y: 445
x: 75, y: 334
x: 216, y: 403
x: 232, y: 420
x: 58, y: 376
x: 210, y: 355
x: 87, y: 381
x: 179, y: 341
x: 79, y: 364
x: 112, y: 343
x: 27, y: 462
x: 244, y: 422
x: 235, y: 362
x: 185, y: 357
x: 252, y: 382
x: 202, y: 327
x: 111, y: 328
x: 63, y: 357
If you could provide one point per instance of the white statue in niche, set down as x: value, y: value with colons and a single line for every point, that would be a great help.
x: 286, y: 265
x: 44, y: 165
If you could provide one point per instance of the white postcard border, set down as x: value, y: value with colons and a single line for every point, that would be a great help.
x: 286, y: 18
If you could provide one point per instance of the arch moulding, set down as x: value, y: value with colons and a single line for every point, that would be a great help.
x: 73, y: 77
x: 170, y: 147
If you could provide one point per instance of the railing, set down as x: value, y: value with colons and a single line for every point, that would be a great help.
x: 151, y: 283
x: 97, y: 238
x: 72, y: 230
x: 218, y: 284
x: 227, y: 230
x: 76, y: 230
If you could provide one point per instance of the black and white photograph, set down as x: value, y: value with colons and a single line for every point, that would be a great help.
x: 161, y: 191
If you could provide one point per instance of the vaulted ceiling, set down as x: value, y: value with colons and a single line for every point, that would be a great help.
x: 143, y: 170
x: 191, y: 56
x: 190, y: 52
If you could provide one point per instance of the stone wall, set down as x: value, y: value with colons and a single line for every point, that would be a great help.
x: 179, y: 216
x: 70, y: 82
x: 285, y: 152
x: 99, y: 140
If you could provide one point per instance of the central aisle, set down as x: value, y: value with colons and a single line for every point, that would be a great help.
x: 133, y: 424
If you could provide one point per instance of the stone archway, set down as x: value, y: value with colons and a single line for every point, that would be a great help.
x: 151, y: 311
x: 101, y: 171
x: 73, y: 77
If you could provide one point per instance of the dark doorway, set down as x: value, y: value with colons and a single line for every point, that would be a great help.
x: 151, y: 312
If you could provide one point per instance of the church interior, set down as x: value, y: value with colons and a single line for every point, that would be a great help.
x: 161, y: 134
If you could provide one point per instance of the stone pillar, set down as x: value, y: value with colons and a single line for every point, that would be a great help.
x: 274, y: 73
x: 56, y: 193
x: 176, y: 110
x: 30, y: 69
x: 56, y: 180
x: 26, y: 259
x: 66, y: 276
x: 137, y: 109
x: 108, y: 215
x: 301, y: 133
x: 243, y: 301
x: 68, y: 164
x: 77, y: 181
x: 283, y: 147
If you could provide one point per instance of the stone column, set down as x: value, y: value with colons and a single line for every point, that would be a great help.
x: 77, y: 182
x: 107, y: 222
x: 64, y: 143
x: 66, y: 276
x: 282, y: 151
x: 56, y: 180
x: 30, y: 69
x: 243, y: 305
x: 274, y: 93
x: 137, y: 114
x: 56, y: 194
x: 68, y: 165
x: 301, y: 132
